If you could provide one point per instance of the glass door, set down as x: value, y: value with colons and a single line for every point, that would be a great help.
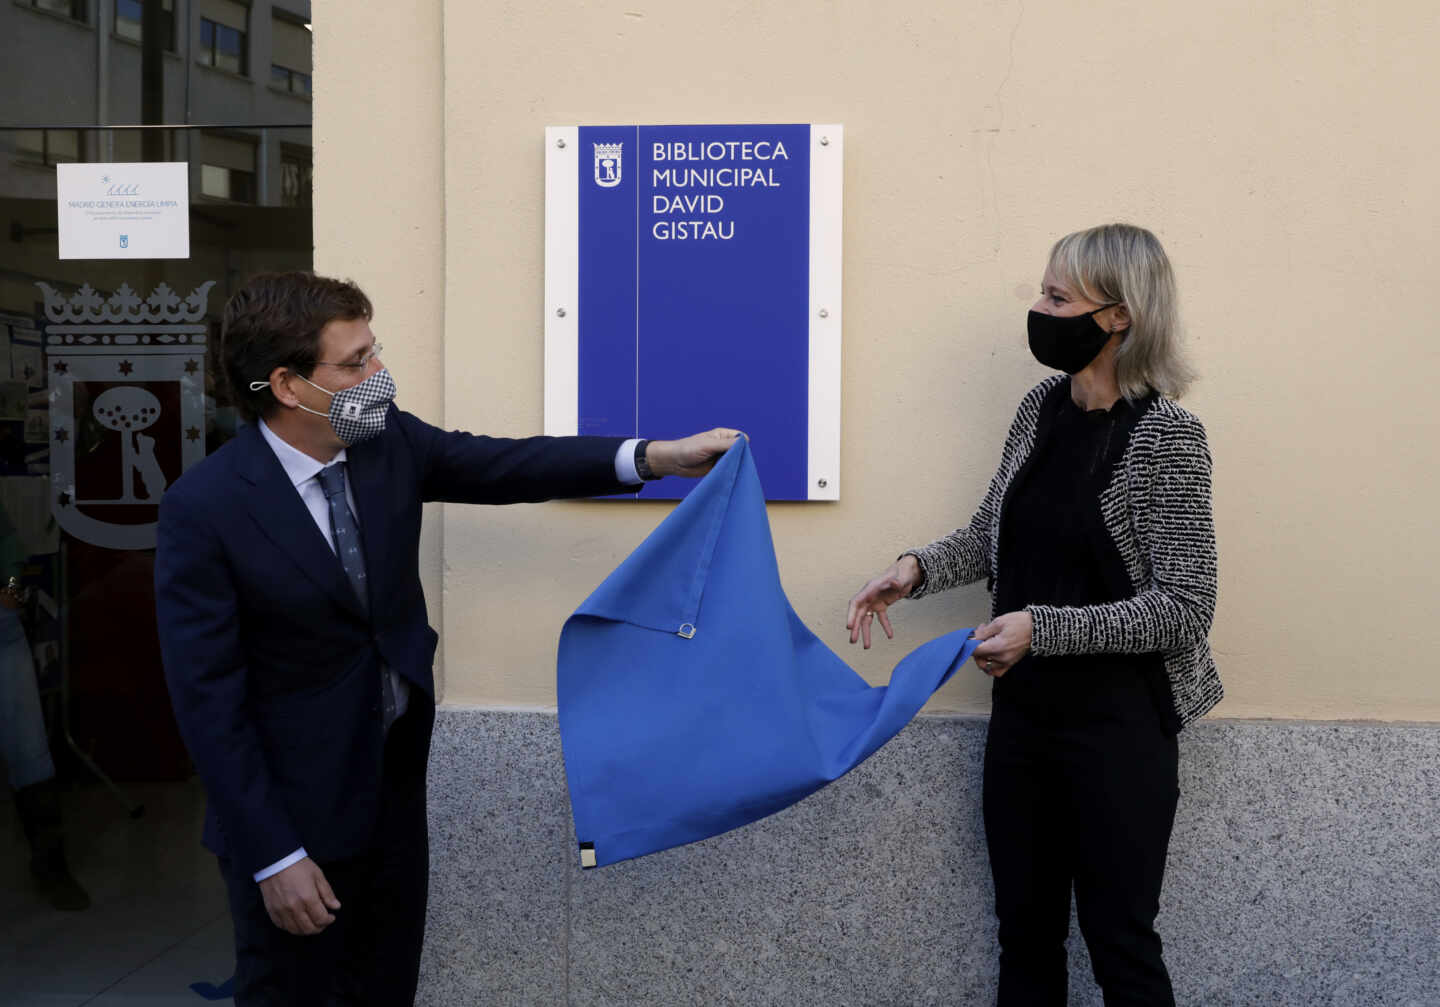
x: 110, y: 390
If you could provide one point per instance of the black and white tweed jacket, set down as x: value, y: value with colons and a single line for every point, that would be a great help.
x: 1157, y: 511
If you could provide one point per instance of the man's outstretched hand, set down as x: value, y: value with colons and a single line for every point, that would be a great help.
x: 692, y: 456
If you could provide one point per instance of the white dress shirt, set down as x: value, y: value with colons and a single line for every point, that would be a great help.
x: 303, y: 472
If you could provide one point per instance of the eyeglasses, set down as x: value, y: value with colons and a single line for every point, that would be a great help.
x: 375, y: 351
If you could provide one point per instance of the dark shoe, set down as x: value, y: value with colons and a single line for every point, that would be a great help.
x: 39, y: 808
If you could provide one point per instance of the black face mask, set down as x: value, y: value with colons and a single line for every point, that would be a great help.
x: 1067, y: 344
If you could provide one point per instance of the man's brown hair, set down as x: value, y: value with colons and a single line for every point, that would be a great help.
x: 274, y: 320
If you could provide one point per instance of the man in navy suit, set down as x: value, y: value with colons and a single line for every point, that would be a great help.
x: 295, y: 638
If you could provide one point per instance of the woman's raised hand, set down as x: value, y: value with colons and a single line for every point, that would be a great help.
x: 878, y: 594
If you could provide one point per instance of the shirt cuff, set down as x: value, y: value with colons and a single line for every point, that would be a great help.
x: 280, y: 865
x: 625, y: 463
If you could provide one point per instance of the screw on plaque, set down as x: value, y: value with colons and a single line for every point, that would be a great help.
x: 823, y: 483
x: 824, y: 141
x: 560, y: 143
x: 824, y: 313
x: 559, y: 312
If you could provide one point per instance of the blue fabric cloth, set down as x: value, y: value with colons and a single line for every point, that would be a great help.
x: 692, y: 698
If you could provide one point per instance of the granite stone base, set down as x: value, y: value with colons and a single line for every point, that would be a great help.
x: 1304, y: 869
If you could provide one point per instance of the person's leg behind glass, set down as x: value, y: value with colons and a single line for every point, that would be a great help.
x: 25, y: 752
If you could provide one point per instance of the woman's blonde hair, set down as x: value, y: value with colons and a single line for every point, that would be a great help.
x: 1124, y: 264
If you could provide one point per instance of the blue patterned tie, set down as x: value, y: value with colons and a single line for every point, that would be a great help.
x: 352, y: 559
x: 345, y: 530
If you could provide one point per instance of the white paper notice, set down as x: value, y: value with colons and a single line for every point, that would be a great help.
x: 124, y: 211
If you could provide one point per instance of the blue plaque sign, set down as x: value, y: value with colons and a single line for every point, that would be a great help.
x: 692, y: 281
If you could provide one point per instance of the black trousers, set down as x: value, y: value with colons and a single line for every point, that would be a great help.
x: 371, y: 953
x: 1080, y: 794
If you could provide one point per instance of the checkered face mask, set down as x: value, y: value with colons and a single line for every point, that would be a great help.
x: 358, y: 413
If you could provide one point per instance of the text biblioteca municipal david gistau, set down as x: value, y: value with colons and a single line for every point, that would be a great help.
x: 687, y: 168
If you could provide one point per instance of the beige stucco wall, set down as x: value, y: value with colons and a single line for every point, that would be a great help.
x: 380, y: 199
x: 1274, y: 147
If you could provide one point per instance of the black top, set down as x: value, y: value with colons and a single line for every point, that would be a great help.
x: 1055, y: 550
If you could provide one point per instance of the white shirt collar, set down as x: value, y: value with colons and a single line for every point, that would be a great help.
x: 298, y: 466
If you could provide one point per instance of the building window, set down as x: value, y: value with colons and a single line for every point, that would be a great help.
x: 227, y: 183
x: 224, y: 35
x: 227, y: 168
x: 289, y: 53
x: 49, y: 146
x: 129, y: 145
x: 129, y: 20
x: 290, y: 80
x: 74, y: 9
x: 296, y: 172
x: 222, y: 46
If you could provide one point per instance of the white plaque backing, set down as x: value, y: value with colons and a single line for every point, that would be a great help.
x: 123, y: 210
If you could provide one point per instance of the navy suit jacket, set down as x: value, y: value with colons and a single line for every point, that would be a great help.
x: 273, y: 665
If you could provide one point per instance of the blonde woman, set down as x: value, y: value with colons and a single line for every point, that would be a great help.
x: 1097, y: 542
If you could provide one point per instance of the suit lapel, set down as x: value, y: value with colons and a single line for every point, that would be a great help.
x: 283, y: 518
